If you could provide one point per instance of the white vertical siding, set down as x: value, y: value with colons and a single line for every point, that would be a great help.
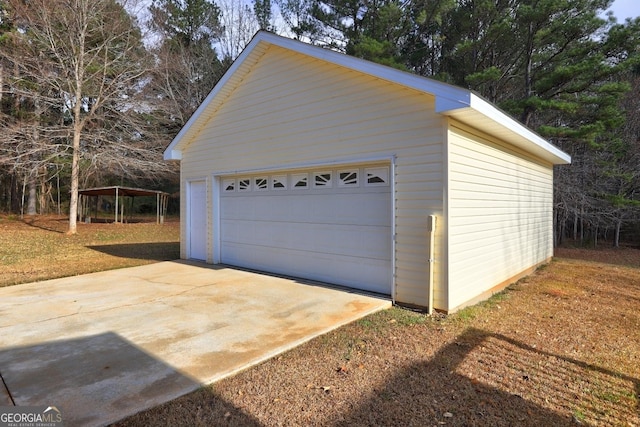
x: 500, y: 204
x: 291, y: 109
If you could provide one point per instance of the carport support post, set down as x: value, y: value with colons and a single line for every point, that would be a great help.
x: 116, y: 218
x: 163, y: 212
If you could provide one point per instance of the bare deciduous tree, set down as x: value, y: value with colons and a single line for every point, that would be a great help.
x: 187, y: 64
x: 87, y: 59
x: 239, y: 24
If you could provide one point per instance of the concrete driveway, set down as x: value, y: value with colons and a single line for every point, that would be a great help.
x: 106, y: 345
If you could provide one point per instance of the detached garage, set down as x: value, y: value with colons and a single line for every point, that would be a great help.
x: 313, y: 164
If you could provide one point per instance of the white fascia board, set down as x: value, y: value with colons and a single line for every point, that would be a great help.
x: 443, y: 105
x: 172, y: 154
x: 536, y: 141
x: 523, y: 137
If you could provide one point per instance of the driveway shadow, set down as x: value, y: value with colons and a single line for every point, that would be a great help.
x: 93, y: 380
x: 157, y: 251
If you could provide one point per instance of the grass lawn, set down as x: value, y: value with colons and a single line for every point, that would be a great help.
x: 38, y: 248
x: 561, y: 347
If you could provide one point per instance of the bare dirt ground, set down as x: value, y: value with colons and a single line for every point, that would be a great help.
x: 559, y: 348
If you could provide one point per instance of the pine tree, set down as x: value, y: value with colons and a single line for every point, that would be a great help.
x: 187, y: 62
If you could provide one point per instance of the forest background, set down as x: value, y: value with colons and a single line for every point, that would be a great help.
x: 92, y: 91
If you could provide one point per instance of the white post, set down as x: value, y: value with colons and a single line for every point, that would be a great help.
x: 116, y: 219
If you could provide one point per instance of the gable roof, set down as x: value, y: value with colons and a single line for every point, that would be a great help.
x: 461, y: 104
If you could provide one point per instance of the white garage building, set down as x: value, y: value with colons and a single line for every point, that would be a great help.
x: 313, y: 164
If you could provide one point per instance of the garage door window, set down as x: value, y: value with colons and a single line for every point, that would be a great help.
x: 279, y: 182
x: 377, y: 176
x: 244, y: 184
x: 261, y: 183
x: 374, y: 176
x: 322, y: 179
x: 229, y: 184
x: 348, y: 178
x: 300, y: 180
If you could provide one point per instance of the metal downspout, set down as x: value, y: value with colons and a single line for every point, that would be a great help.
x: 432, y: 244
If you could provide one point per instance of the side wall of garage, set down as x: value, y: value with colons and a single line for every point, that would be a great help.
x: 500, y: 211
x: 292, y: 111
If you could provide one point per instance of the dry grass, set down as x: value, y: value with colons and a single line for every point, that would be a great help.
x: 38, y: 248
x: 561, y: 347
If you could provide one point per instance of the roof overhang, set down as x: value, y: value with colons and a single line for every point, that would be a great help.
x: 483, y: 115
x: 458, y: 103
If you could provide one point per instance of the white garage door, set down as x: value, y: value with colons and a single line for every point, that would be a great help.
x: 329, y: 224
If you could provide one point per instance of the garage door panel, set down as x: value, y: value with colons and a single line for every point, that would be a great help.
x: 348, y: 208
x: 366, y: 241
x: 339, y: 234
x: 355, y: 209
x: 312, y: 266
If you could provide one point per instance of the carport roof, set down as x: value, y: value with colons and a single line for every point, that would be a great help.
x: 120, y: 191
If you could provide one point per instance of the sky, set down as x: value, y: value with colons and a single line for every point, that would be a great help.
x: 623, y: 9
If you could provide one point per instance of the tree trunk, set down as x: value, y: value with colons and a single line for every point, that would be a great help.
x: 73, y: 203
x: 45, y: 193
x: 555, y: 227
x: 616, y: 238
x: 31, y: 199
x: 582, y: 226
x: 5, y: 187
x: 77, y: 130
x: 16, y: 75
x: 528, y: 77
x: 33, y: 176
x: 15, y: 193
x: 58, y: 189
x: 24, y: 189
